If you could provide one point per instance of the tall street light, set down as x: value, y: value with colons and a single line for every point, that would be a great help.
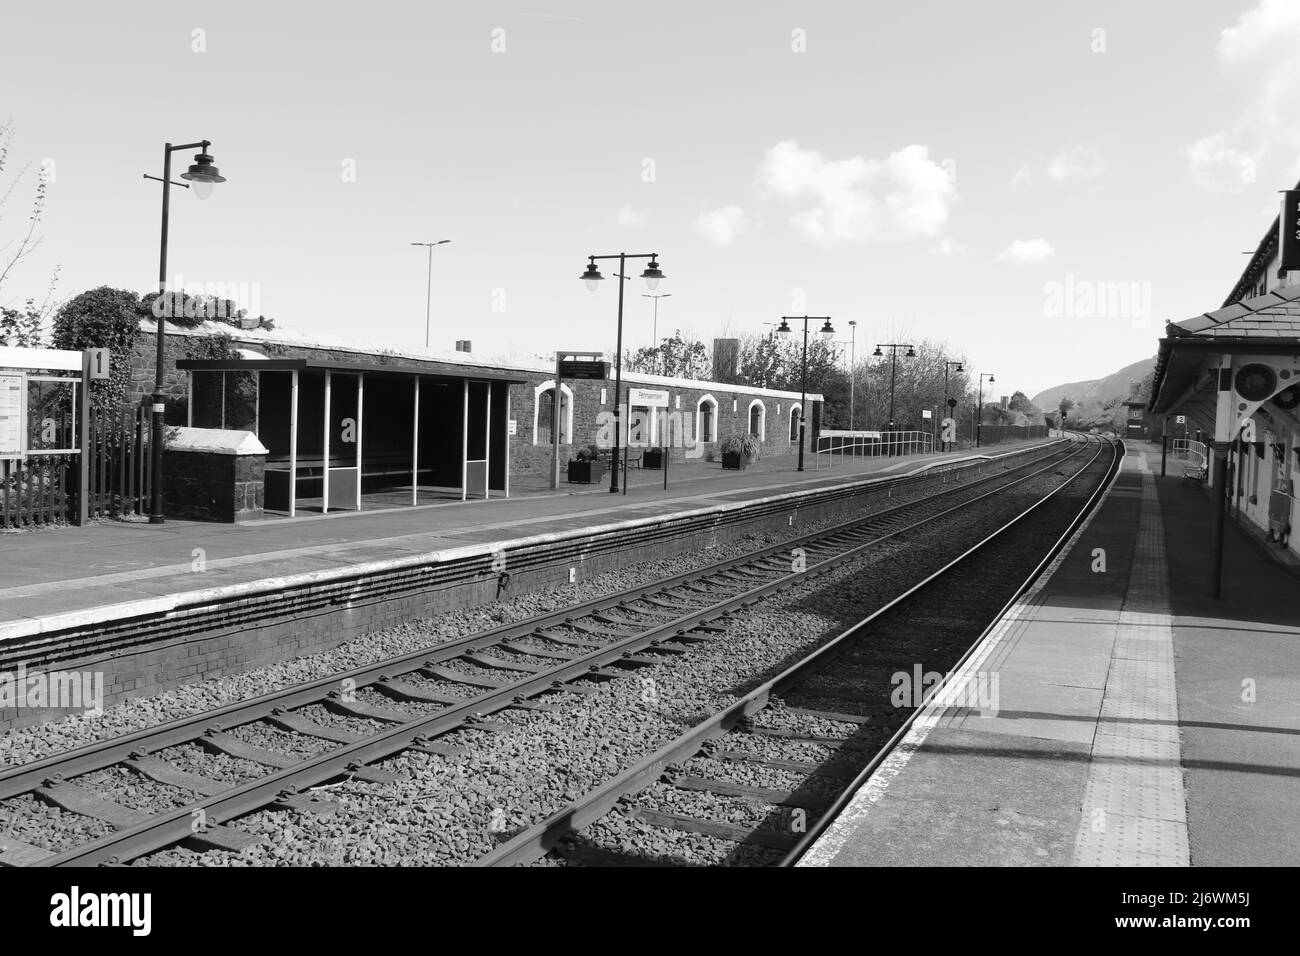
x: 655, y: 333
x: 947, y: 367
x: 827, y: 333
x: 593, y: 278
x: 979, y: 417
x: 893, y: 375
x: 853, y: 365
x: 201, y: 176
x: 428, y: 296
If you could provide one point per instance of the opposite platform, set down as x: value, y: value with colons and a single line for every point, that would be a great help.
x: 1138, y: 722
x: 111, y: 564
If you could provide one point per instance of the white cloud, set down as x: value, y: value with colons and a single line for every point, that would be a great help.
x: 1027, y: 250
x: 1078, y: 163
x: 721, y: 226
x: 627, y: 216
x: 905, y: 196
x: 1022, y: 176
x: 1262, y: 50
x: 948, y: 246
x: 1216, y: 166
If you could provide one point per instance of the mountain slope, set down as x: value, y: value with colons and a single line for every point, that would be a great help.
x: 1096, y: 391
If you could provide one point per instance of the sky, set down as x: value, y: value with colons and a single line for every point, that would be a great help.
x: 1039, y: 185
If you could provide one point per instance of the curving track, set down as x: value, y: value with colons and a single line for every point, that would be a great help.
x: 420, y: 697
x: 743, y: 774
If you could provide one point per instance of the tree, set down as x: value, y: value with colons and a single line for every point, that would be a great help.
x: 25, y: 326
x: 676, y: 357
x: 102, y: 318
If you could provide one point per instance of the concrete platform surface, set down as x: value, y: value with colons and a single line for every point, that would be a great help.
x: 1138, y: 722
x: 76, y: 570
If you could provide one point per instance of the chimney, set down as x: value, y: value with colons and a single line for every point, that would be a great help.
x: 726, y: 360
x: 462, y: 345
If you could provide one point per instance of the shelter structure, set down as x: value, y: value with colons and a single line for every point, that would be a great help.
x: 337, y: 431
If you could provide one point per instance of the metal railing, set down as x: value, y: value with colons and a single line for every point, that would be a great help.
x: 1190, y: 451
x: 848, y: 445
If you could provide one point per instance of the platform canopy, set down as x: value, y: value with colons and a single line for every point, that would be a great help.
x: 1264, y: 330
x: 335, y: 430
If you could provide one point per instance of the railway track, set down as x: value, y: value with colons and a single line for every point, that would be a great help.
x: 414, y: 699
x: 744, y: 777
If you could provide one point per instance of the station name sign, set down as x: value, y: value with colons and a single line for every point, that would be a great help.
x: 1289, y: 226
x: 583, y: 368
x: 649, y: 397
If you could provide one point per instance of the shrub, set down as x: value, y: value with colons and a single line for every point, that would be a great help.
x: 102, y: 318
x: 747, y: 445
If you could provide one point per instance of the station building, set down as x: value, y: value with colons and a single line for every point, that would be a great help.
x: 433, y: 424
x: 1235, y: 373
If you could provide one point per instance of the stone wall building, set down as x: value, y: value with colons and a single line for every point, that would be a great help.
x: 707, y: 411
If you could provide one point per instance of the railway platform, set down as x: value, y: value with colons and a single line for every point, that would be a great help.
x: 73, y: 571
x: 1137, y: 721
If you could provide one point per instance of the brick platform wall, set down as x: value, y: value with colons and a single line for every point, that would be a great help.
x: 204, y: 486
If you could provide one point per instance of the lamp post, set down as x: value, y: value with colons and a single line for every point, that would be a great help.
x: 655, y: 333
x: 893, y: 375
x: 853, y: 365
x: 979, y: 416
x: 428, y: 295
x: 947, y: 367
x: 827, y: 333
x: 593, y: 278
x: 201, y: 176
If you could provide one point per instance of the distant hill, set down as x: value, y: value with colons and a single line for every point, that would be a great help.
x: 1096, y: 392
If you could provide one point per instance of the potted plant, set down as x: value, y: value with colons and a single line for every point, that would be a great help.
x: 739, y: 450
x: 588, y: 467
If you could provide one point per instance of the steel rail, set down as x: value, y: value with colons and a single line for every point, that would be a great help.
x: 106, y: 753
x: 173, y: 826
x: 538, y: 839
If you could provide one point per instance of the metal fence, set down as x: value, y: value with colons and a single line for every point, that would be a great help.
x: 45, y: 488
x: 118, y: 460
x: 837, y: 447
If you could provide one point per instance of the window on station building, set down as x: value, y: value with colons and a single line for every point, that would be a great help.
x: 640, y: 426
x: 794, y: 422
x: 544, y: 412
x: 757, y: 419
x: 706, y: 428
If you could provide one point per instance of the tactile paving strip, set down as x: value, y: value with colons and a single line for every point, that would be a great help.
x: 1134, y: 805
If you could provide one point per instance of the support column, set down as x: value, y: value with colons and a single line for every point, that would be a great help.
x: 293, y: 444
x: 325, y: 479
x: 361, y: 399
x: 464, y: 442
x: 415, y: 447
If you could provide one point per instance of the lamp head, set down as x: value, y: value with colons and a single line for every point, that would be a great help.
x: 828, y: 331
x: 202, y: 175
x: 783, y: 329
x: 652, y: 275
x: 592, y: 276
x: 877, y: 353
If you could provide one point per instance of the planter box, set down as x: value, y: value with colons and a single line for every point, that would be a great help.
x: 587, y: 472
x: 653, y: 458
x: 734, y: 460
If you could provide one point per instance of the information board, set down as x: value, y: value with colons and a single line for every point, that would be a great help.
x: 583, y: 368
x: 13, y: 405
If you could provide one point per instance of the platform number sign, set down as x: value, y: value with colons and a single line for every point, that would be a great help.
x: 97, y: 361
x: 1180, y: 419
